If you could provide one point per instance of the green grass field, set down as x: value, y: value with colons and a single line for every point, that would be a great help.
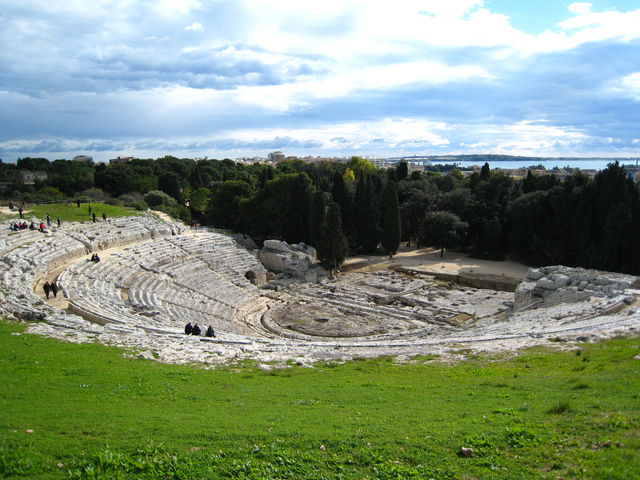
x: 69, y: 212
x: 91, y: 412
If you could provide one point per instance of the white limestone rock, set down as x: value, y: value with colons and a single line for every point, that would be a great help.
x: 560, y: 283
x: 295, y: 260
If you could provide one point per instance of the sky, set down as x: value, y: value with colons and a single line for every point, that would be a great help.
x: 375, y: 78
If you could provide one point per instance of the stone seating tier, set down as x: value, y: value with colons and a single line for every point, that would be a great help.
x: 167, y: 283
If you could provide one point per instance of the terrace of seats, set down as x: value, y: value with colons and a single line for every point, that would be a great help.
x: 159, y: 278
x: 164, y: 284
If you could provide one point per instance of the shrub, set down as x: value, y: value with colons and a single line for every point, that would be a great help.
x: 561, y: 407
x: 156, y: 198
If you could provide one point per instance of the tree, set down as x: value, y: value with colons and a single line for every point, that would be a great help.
x: 485, y: 171
x: 225, y: 204
x: 33, y: 164
x: 200, y: 200
x: 332, y: 248
x: 391, y: 228
x: 157, y: 198
x: 442, y: 230
x: 366, y: 215
x: 402, y: 170
x: 288, y: 198
x: 317, y: 213
x: 169, y: 183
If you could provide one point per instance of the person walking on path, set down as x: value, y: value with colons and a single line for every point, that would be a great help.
x: 47, y: 288
x: 59, y: 221
x: 93, y: 215
x: 54, y: 289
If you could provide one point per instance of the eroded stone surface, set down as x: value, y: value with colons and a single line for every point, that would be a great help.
x: 141, y: 297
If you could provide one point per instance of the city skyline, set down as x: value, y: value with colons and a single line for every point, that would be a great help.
x: 230, y: 79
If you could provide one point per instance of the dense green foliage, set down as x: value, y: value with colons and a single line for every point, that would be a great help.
x: 540, y: 219
x: 87, y: 412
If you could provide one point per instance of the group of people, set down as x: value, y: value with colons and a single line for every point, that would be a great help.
x: 95, y: 258
x: 196, y: 330
x: 50, y: 288
x: 17, y: 226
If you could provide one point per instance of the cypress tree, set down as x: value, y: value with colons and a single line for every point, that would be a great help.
x: 402, y: 170
x: 317, y: 212
x: 332, y: 248
x: 485, y: 171
x: 367, y: 215
x: 391, y: 222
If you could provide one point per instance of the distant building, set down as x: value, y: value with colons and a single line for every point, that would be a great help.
x: 82, y: 158
x: 276, y: 157
x: 28, y: 177
x: 121, y: 160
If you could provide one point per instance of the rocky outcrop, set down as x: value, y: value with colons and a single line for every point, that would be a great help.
x: 564, y: 284
x: 297, y: 260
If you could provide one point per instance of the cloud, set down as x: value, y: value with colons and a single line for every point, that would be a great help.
x: 580, y: 7
x: 194, y: 27
x: 341, y: 75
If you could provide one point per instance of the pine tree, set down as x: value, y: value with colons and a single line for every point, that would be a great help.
x: 391, y: 222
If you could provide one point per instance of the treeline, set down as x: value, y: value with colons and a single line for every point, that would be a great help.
x: 340, y: 207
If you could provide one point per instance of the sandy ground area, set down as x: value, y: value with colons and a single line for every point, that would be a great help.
x: 428, y: 260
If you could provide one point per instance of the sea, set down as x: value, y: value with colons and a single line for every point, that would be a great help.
x: 549, y: 164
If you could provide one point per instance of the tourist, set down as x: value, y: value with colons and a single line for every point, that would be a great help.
x: 104, y: 217
x: 42, y: 228
x: 32, y: 226
x: 188, y: 328
x: 196, y: 330
x: 59, y: 221
x: 54, y: 289
x: 95, y: 258
x: 47, y: 288
x: 210, y: 332
x: 93, y: 216
x: 48, y: 220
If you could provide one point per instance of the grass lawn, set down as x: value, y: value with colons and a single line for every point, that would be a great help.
x: 69, y: 212
x: 89, y: 412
